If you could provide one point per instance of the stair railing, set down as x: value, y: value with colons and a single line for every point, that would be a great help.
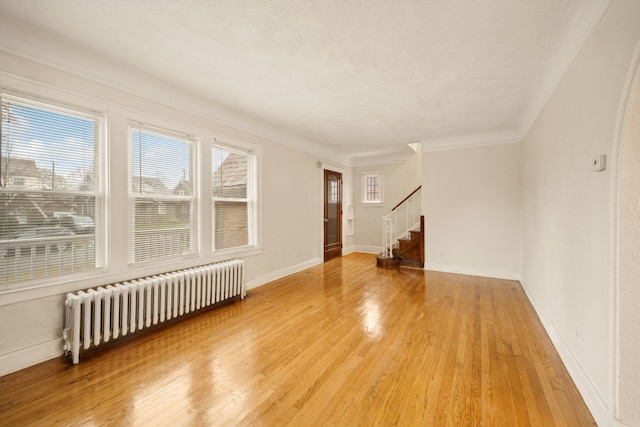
x: 404, y: 217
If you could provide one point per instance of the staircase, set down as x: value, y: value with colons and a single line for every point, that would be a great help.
x: 403, y: 235
x: 409, y: 250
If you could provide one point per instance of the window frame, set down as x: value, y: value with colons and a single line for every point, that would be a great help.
x: 194, y: 179
x: 113, y: 156
x: 99, y: 192
x: 364, y: 188
x: 252, y: 196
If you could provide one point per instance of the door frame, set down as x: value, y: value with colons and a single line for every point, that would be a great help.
x: 336, y: 250
x: 323, y: 167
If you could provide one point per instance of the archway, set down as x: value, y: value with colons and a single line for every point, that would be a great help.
x: 628, y: 255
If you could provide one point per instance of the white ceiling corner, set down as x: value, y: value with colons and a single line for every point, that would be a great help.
x: 344, y: 78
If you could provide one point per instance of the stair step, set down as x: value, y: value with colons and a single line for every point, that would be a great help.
x: 411, y: 263
x: 407, y: 244
x: 407, y: 251
x: 383, y: 262
x: 414, y: 236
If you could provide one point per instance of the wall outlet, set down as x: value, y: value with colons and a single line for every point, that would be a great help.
x: 579, y: 330
x: 441, y: 254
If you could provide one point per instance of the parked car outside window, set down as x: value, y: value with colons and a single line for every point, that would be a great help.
x: 48, y: 232
x: 80, y: 224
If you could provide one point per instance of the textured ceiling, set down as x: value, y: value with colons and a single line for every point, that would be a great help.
x: 355, y: 79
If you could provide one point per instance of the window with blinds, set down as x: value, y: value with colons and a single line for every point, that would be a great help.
x: 233, y: 197
x: 50, y: 190
x: 162, y: 195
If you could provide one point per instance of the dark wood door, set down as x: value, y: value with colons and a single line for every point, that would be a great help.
x: 332, y: 214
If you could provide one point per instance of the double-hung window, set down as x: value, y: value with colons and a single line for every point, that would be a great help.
x: 233, y: 197
x: 51, y: 198
x: 162, y: 195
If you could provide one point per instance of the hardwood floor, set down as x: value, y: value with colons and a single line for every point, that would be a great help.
x: 343, y: 343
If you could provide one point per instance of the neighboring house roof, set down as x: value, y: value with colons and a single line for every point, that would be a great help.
x: 232, y: 173
x: 21, y: 167
x: 149, y: 185
x: 183, y: 188
x: 87, y: 183
x: 37, y: 178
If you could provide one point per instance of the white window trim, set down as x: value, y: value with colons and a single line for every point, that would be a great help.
x: 363, y: 188
x: 114, y: 152
x: 252, y: 199
x: 54, y: 101
x: 194, y: 197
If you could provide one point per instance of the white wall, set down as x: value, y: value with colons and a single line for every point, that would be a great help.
x: 471, y: 206
x: 567, y: 209
x: 31, y: 320
x: 400, y: 179
x: 629, y: 264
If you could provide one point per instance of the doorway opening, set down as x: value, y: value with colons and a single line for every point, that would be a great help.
x: 332, y: 214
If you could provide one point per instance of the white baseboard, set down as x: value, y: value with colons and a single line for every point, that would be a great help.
x: 473, y: 271
x: 348, y: 250
x: 23, y: 358
x: 368, y: 249
x: 596, y: 404
x: 275, y: 275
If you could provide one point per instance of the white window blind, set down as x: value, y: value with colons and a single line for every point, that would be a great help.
x: 162, y: 195
x: 50, y: 190
x: 233, y: 197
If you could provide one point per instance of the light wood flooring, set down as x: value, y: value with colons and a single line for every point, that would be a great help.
x: 343, y: 343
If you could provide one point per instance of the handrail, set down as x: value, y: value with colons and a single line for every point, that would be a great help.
x: 406, y: 198
x: 399, y: 221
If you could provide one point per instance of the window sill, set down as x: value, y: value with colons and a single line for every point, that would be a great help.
x: 371, y: 204
x: 239, y: 252
x: 102, y: 277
